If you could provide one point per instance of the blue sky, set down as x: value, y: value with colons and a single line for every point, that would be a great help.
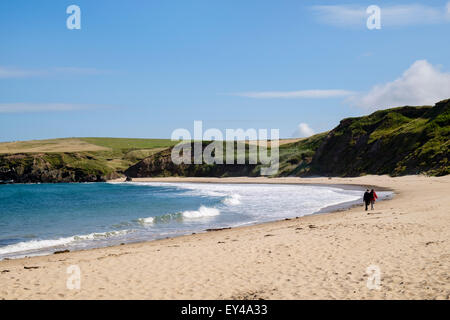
x: 146, y: 68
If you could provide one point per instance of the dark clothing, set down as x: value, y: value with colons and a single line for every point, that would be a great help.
x: 367, y: 198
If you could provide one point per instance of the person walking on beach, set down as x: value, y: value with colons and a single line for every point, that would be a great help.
x: 366, y: 198
x: 373, y: 197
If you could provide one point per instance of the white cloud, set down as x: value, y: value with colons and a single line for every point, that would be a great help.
x: 295, y: 94
x: 303, y: 131
x: 42, y: 107
x: 421, y: 84
x: 10, y: 72
x: 395, y: 15
x: 6, y: 72
x: 340, y: 15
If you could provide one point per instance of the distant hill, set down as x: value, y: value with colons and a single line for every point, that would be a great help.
x: 397, y: 141
x: 74, y: 159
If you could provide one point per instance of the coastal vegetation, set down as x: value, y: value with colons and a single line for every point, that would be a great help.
x: 74, y: 159
x: 397, y: 141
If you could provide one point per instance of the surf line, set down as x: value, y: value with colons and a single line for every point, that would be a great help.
x: 209, y: 311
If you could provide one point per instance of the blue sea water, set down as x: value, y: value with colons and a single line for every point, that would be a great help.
x: 42, y: 218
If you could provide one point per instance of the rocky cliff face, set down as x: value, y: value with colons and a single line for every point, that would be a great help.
x: 399, y: 141
x: 161, y: 165
x: 33, y: 168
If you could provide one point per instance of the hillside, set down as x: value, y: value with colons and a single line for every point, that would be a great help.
x: 74, y: 159
x: 91, y: 159
x: 397, y: 141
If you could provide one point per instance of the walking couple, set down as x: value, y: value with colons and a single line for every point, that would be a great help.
x: 369, y: 198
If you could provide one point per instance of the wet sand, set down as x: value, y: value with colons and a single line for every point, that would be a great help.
x: 322, y: 256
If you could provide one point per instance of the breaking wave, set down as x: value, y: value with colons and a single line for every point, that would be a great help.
x: 53, y: 243
x: 233, y: 200
x: 189, y: 214
x: 201, y: 212
x: 144, y: 221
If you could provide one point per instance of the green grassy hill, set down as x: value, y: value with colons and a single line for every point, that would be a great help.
x: 398, y: 141
x: 74, y: 159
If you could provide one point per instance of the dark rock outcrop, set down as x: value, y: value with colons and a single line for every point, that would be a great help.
x: 47, y: 168
x: 398, y: 141
x: 161, y: 165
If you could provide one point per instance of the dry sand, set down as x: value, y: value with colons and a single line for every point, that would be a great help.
x: 322, y: 256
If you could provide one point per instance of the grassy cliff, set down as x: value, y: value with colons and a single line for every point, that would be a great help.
x: 397, y: 141
x: 74, y: 159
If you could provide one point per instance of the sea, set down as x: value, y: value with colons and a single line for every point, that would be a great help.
x: 40, y: 219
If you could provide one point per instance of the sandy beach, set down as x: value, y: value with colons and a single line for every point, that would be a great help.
x: 322, y: 256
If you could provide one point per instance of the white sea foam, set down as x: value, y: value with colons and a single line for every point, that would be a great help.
x: 52, y: 243
x: 144, y: 221
x: 233, y: 200
x: 230, y: 204
x: 201, y: 212
x: 267, y: 202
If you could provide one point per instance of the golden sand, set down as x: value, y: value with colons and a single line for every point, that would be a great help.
x: 323, y: 256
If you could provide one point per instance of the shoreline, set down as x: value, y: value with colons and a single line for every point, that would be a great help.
x: 312, y: 230
x: 260, y: 180
x: 334, y: 208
